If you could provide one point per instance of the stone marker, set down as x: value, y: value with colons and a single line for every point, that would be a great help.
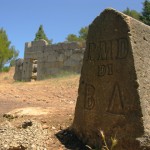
x: 114, y: 90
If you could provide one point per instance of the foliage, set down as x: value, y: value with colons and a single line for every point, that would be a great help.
x: 5, y: 69
x: 145, y: 17
x: 15, y: 55
x: 72, y: 38
x: 7, y: 52
x: 41, y: 35
x: 114, y: 142
x: 132, y: 13
x: 82, y: 35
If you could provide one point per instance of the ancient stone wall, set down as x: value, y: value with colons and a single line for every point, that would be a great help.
x: 42, y: 60
x: 18, y: 69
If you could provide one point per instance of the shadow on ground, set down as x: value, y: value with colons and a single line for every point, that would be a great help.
x: 70, y: 140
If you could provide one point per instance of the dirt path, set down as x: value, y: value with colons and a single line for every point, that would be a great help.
x: 56, y: 97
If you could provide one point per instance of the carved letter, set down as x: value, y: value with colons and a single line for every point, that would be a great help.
x: 101, y: 70
x: 90, y: 51
x: 122, y: 49
x: 89, y: 97
x: 116, y: 103
x: 105, y: 70
x: 105, y: 50
x: 110, y: 69
x: 102, y: 51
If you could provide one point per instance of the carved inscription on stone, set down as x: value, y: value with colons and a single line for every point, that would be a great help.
x: 108, y: 50
x: 115, y: 66
x: 89, y: 96
x: 104, y: 50
x: 105, y: 70
x: 116, y: 102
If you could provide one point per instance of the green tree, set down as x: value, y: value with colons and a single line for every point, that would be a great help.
x: 132, y: 13
x: 15, y: 55
x: 7, y: 52
x: 145, y: 17
x: 72, y: 38
x: 82, y: 35
x: 41, y: 35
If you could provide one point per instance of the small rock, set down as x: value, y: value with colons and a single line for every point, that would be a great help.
x: 33, y: 147
x: 10, y: 116
x: 43, y: 121
x: 17, y: 96
x: 53, y: 128
x: 5, y: 146
x: 26, y: 124
x: 45, y: 127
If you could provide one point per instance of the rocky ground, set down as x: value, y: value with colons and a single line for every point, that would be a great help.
x: 38, y: 115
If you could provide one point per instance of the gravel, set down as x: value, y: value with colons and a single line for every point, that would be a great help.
x: 32, y: 137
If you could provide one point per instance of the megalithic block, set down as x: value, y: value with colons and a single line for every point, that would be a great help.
x: 114, y: 89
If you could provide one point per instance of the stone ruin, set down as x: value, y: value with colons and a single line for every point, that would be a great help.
x: 114, y: 89
x: 42, y: 60
x: 18, y: 69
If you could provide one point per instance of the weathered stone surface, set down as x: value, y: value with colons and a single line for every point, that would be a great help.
x: 51, y: 59
x: 40, y: 42
x: 114, y: 90
x: 18, y: 69
x: 27, y: 69
x: 71, y: 63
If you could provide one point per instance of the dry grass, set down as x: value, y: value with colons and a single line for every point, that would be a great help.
x: 7, y: 77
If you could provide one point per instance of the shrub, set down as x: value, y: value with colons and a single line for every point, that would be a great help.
x: 5, y: 69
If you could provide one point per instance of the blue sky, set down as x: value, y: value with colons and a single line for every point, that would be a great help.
x: 22, y: 18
